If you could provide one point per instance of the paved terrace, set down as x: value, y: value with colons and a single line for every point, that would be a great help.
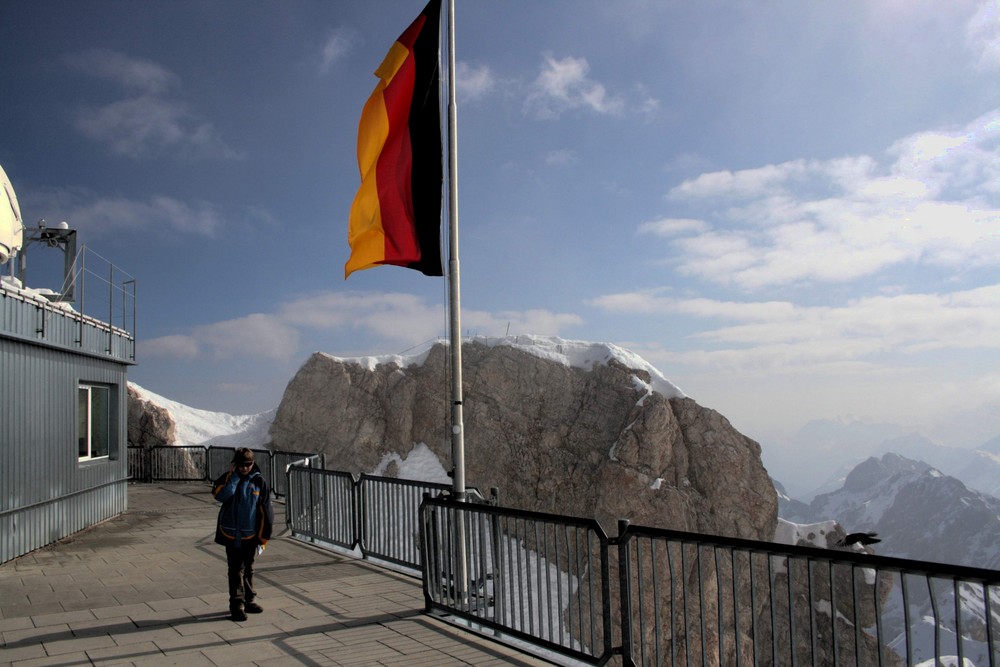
x: 149, y: 588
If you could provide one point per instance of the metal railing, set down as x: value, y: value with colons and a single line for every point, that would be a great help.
x: 540, y: 578
x: 179, y: 463
x: 377, y: 516
x: 560, y: 586
x: 660, y: 597
x: 321, y: 506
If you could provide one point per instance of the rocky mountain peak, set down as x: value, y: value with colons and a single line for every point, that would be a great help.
x: 569, y: 427
x: 918, y: 512
x: 873, y: 471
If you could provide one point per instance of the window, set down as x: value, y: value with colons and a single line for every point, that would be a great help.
x: 94, y: 421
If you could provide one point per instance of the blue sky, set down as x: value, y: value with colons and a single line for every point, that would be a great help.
x: 791, y: 209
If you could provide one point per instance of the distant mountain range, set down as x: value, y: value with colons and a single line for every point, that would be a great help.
x: 918, y: 512
x: 825, y: 451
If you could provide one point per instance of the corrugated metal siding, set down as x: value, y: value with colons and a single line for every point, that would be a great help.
x: 46, y: 493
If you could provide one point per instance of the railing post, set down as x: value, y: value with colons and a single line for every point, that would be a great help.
x: 358, y: 508
x: 289, y: 500
x: 625, y: 591
x: 432, y: 551
x: 499, y: 581
x: 312, y: 503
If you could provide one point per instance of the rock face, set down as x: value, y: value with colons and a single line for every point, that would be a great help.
x: 591, y: 439
x: 149, y: 425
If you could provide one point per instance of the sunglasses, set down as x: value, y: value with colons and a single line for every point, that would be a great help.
x: 245, y: 464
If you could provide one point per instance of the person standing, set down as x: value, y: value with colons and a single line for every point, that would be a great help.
x: 244, y: 527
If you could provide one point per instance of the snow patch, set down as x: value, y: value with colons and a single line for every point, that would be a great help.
x: 572, y: 353
x: 811, y: 534
x: 421, y: 464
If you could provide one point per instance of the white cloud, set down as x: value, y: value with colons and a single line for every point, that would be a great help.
x: 758, y: 182
x: 140, y: 126
x: 983, y: 34
x: 84, y: 210
x: 669, y: 227
x: 174, y: 347
x: 779, y: 336
x: 338, y: 44
x: 564, y: 85
x: 403, y: 319
x: 390, y: 320
x: 258, y: 336
x: 561, y: 158
x: 135, y: 74
x: 473, y: 83
x: 934, y: 202
x: 150, y: 119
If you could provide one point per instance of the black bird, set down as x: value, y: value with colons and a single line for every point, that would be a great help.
x: 870, y: 537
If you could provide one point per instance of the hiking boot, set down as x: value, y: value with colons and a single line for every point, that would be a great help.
x: 237, y: 614
x: 253, y: 608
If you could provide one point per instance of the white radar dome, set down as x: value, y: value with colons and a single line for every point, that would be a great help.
x: 11, y: 229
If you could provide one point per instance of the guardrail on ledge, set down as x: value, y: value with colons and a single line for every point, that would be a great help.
x: 561, y: 587
x: 662, y: 597
x: 179, y: 463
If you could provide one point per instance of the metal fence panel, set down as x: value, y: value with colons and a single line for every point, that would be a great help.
x: 197, y: 462
x: 321, y: 506
x: 177, y: 463
x: 535, y: 577
x: 390, y: 518
x: 690, y: 599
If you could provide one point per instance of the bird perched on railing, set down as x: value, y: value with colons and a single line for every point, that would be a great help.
x: 864, y: 539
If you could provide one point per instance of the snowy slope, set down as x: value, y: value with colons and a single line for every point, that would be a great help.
x: 202, y: 427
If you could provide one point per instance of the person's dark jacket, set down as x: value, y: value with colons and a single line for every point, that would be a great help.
x: 246, y: 513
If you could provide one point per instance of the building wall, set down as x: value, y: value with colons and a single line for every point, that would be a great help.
x: 46, y: 491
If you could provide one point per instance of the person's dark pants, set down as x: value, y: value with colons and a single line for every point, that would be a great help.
x: 240, y: 561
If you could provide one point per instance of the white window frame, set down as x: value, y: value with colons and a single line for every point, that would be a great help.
x: 91, y: 424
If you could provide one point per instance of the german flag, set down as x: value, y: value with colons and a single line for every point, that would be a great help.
x: 396, y: 214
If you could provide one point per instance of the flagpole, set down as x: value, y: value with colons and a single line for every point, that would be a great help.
x: 454, y: 296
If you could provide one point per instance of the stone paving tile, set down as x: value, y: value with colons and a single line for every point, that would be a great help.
x: 98, y: 601
x: 10, y: 656
x: 35, y: 635
x: 75, y: 644
x: 149, y: 588
x: 66, y: 660
x: 16, y: 623
x: 120, y: 610
x: 139, y: 636
x: 241, y: 653
x: 200, y: 641
x: 184, y: 658
x: 124, y: 653
x: 61, y: 618
x: 28, y: 609
x: 98, y: 626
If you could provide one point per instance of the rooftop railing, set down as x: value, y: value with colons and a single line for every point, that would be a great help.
x: 93, y: 309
